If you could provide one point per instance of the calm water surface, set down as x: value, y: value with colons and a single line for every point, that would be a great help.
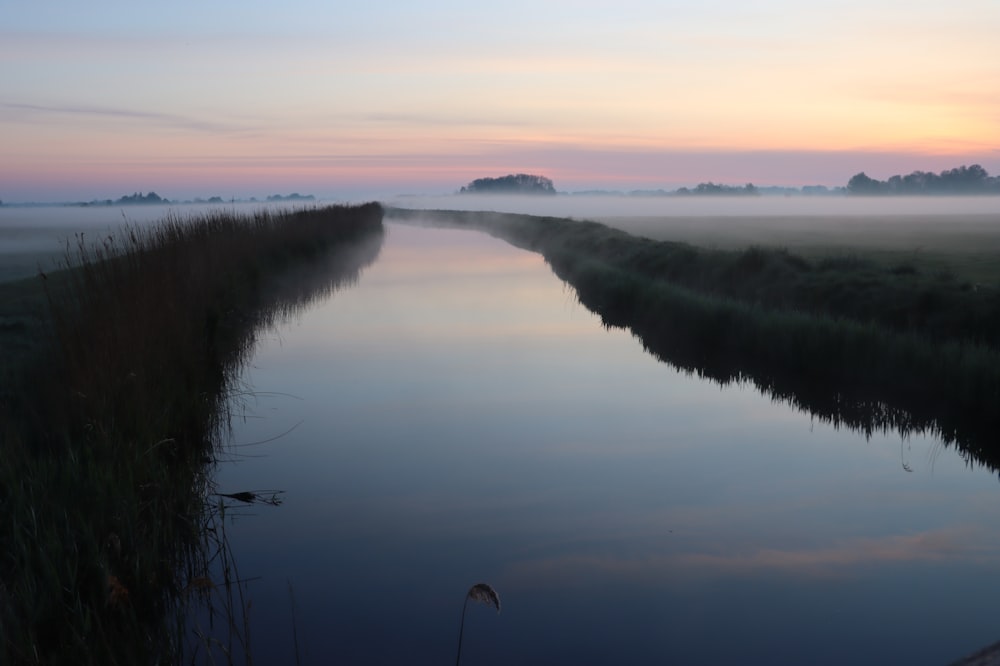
x: 457, y: 417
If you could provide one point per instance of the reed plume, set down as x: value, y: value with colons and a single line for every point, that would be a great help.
x: 483, y: 593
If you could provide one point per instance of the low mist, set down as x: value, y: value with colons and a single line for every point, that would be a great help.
x: 811, y: 224
x: 33, y: 238
x: 595, y: 206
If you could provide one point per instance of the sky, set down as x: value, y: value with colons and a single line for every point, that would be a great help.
x: 237, y: 99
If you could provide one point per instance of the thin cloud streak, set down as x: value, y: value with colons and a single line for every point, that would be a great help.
x: 165, y: 119
x: 418, y: 119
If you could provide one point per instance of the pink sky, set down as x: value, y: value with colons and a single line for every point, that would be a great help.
x: 109, y: 99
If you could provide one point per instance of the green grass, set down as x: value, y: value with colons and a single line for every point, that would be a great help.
x: 116, y: 398
x: 844, y: 338
x: 964, y: 245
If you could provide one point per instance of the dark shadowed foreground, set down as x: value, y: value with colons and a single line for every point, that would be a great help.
x: 988, y: 656
x: 110, y: 419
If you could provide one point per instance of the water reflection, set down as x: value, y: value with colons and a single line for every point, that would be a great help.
x: 852, y: 375
x: 214, y: 593
x: 464, y: 419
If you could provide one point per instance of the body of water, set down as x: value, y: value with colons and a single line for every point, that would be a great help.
x: 457, y: 417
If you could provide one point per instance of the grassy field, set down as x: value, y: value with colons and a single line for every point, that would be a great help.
x: 23, y: 311
x: 118, y: 374
x: 966, y: 245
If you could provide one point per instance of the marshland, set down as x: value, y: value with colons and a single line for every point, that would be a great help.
x: 697, y: 435
x: 117, y: 372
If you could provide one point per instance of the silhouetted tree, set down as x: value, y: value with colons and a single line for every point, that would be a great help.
x: 712, y: 189
x: 140, y: 198
x: 960, y: 180
x: 862, y: 184
x: 964, y: 179
x: 294, y: 196
x: 520, y: 183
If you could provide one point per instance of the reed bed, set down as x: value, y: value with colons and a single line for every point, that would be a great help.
x: 856, y: 345
x: 109, y: 438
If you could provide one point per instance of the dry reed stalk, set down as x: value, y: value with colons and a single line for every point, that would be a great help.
x: 483, y: 593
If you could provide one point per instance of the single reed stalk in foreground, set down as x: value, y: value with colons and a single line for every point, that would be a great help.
x: 482, y: 592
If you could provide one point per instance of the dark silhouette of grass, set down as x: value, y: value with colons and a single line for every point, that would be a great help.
x: 869, y: 348
x: 110, y: 419
x: 482, y: 593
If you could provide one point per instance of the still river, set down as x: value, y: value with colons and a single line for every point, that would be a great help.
x: 457, y: 417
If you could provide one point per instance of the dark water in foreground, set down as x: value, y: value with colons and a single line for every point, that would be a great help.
x: 456, y: 417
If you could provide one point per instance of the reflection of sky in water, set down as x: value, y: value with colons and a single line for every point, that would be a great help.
x: 462, y: 419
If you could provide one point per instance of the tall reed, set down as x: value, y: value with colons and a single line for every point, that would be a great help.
x: 482, y: 593
x: 109, y: 438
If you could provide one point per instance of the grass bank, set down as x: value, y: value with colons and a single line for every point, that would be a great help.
x: 853, y: 342
x: 113, y: 403
x: 965, y: 245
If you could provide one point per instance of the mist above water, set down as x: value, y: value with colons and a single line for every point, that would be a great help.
x: 34, y: 238
x: 591, y: 206
x: 969, y: 226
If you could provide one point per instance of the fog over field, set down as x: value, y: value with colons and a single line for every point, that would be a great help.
x: 36, y: 237
x: 892, y: 229
x: 597, y: 206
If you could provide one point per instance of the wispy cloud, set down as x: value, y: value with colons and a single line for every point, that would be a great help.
x: 21, y: 111
x: 426, y: 119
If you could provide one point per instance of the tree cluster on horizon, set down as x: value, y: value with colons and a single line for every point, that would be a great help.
x: 519, y: 183
x: 294, y: 196
x: 140, y: 198
x: 967, y: 180
x: 960, y: 180
x: 713, y: 189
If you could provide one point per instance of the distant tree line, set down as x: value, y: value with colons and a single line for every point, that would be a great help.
x: 140, y: 198
x: 294, y: 196
x: 961, y: 180
x: 518, y: 183
x: 154, y: 198
x: 712, y: 189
